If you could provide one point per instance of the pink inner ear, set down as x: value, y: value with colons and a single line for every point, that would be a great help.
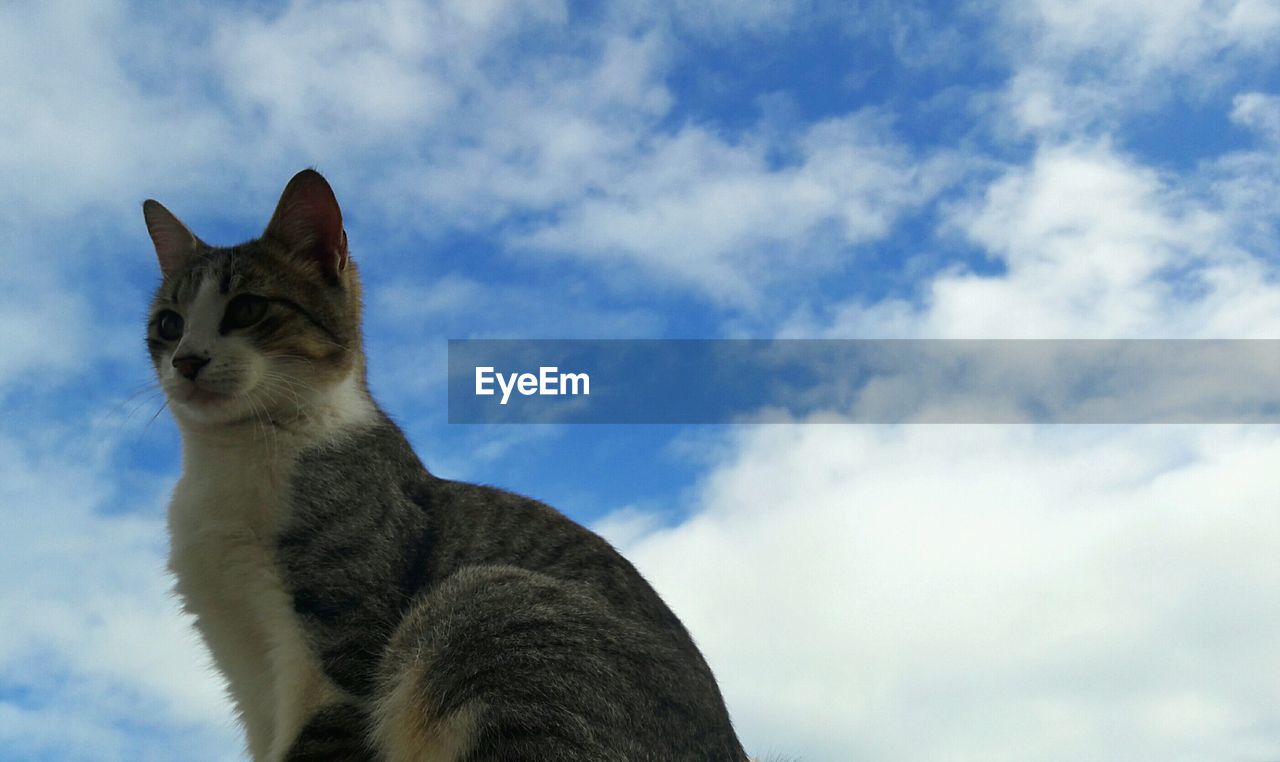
x: 172, y: 246
x: 174, y: 243
x: 308, y: 220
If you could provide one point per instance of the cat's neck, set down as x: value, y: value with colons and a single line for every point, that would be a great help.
x: 277, y: 437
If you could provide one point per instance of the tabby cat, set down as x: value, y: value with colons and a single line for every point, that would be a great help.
x: 359, y: 607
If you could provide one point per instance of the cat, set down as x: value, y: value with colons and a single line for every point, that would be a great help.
x: 359, y: 607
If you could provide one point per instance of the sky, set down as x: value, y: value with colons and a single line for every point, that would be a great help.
x: 676, y: 169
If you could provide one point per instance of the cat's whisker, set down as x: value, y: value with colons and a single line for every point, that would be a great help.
x: 163, y: 405
x: 293, y: 357
x: 144, y: 402
x: 117, y: 419
x: 262, y: 421
x: 137, y: 389
x: 272, y: 383
x: 268, y: 431
x: 288, y: 380
x: 124, y: 410
x: 331, y: 343
x: 133, y: 393
x: 273, y: 426
x: 297, y: 393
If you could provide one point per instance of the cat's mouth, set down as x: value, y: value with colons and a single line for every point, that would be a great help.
x: 203, y: 396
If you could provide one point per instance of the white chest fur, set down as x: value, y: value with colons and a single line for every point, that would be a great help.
x: 225, y: 513
x: 227, y: 509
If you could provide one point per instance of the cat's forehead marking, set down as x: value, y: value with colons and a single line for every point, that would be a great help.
x: 184, y: 287
x: 231, y: 274
x: 216, y: 266
x: 206, y: 306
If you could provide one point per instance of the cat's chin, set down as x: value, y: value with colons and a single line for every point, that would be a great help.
x: 202, y: 406
x: 201, y: 397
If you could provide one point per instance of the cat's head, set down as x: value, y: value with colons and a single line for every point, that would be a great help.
x: 265, y: 330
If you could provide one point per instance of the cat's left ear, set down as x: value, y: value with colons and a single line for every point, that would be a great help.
x: 175, y: 244
x: 308, y: 222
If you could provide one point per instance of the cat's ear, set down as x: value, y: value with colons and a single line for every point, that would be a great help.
x: 308, y: 222
x: 175, y: 244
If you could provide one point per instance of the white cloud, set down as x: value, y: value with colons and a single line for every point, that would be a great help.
x: 626, y: 525
x: 1083, y: 234
x: 81, y: 128
x: 465, y: 308
x: 724, y: 17
x: 714, y: 21
x: 568, y: 144
x: 449, y: 116
x: 411, y: 106
x: 1258, y: 111
x: 986, y: 592
x: 86, y: 597
x: 546, y: 138
x: 720, y: 216
x: 443, y: 115
x: 77, y: 138
x: 1081, y: 65
x: 1094, y: 245
x: 400, y: 98
x: 29, y: 345
x: 1015, y: 593
x: 338, y: 76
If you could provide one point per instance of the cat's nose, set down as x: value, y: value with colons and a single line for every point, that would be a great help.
x: 190, y: 365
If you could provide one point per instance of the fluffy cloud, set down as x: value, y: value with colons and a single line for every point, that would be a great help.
x: 723, y: 218
x: 1258, y: 111
x: 1084, y: 64
x: 995, y: 593
x: 1093, y: 244
x: 120, y: 673
x: 1004, y: 592
x: 445, y: 117
x: 566, y: 150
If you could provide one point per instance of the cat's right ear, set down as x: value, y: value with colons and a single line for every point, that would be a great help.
x: 175, y: 244
x: 308, y: 223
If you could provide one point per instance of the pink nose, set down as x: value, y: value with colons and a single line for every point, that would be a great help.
x: 190, y: 365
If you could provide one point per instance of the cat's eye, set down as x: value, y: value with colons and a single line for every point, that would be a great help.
x: 243, y: 311
x: 169, y: 325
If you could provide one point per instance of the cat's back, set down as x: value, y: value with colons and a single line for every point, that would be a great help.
x: 367, y: 497
x: 491, y: 606
x: 536, y: 606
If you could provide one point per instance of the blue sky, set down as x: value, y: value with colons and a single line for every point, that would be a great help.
x: 726, y: 168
